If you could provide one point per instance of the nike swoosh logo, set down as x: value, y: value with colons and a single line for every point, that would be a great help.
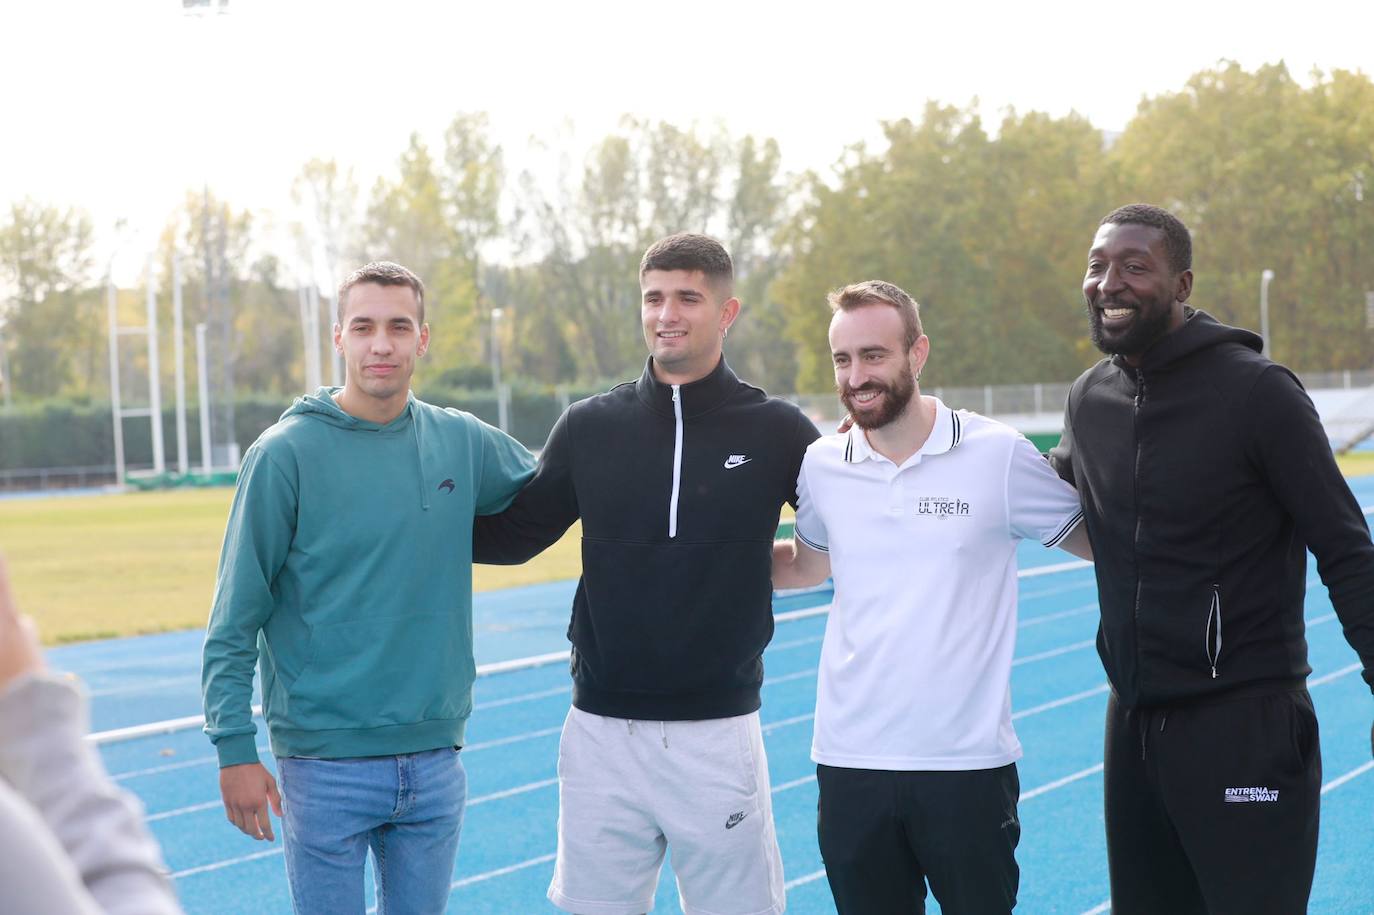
x: 732, y: 463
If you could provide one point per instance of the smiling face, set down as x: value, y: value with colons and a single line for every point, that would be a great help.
x: 685, y: 320
x: 1132, y: 295
x: 875, y: 373
x: 380, y: 337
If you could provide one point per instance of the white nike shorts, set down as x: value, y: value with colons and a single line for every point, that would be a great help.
x: 628, y: 790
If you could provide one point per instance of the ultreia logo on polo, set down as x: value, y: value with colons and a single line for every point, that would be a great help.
x: 942, y: 506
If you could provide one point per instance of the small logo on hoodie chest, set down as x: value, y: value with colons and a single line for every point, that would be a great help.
x: 736, y: 460
x: 446, y: 486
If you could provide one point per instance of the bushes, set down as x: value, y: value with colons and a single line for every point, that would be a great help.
x: 73, y: 434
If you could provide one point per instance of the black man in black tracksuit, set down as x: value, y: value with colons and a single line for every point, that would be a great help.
x: 1205, y: 477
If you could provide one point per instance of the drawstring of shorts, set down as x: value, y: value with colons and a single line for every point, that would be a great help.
x: 662, y: 728
x: 1145, y: 727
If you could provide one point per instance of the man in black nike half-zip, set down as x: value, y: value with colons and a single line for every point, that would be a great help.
x: 678, y: 479
x: 1205, y: 477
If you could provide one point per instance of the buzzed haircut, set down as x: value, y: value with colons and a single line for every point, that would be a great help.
x: 879, y: 292
x: 690, y: 251
x: 382, y: 273
x: 1178, y: 242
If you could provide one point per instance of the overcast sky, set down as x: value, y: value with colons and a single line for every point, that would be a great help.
x: 121, y: 106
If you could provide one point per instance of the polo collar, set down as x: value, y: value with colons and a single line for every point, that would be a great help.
x: 698, y: 397
x: 945, y: 433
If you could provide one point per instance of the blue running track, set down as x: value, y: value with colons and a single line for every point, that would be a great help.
x: 506, y: 859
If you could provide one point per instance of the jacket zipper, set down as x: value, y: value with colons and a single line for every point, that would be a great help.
x: 1212, y: 636
x: 677, y: 460
x: 1135, y: 483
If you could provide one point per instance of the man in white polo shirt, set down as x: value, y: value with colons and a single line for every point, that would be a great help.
x: 916, y: 512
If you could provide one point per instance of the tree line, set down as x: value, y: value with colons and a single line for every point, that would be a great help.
x: 986, y: 224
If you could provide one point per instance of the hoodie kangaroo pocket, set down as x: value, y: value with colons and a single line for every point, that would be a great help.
x: 381, y: 671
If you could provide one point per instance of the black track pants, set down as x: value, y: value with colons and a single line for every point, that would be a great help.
x: 1213, y: 808
x: 884, y: 834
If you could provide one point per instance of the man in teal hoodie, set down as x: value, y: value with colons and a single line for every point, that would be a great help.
x: 346, y: 575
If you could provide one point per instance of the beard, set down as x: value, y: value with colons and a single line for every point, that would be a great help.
x: 896, y: 397
x: 1151, y: 323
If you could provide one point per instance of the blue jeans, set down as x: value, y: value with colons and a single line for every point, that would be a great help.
x: 408, y: 809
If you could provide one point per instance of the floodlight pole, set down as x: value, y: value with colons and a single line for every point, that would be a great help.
x: 501, y: 410
x: 183, y: 457
x: 154, y: 378
x: 112, y: 311
x: 1265, y: 278
x: 203, y: 384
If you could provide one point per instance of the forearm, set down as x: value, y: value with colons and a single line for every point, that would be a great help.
x: 44, y: 756
x: 797, y: 567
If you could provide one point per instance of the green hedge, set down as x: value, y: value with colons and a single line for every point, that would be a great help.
x: 66, y: 434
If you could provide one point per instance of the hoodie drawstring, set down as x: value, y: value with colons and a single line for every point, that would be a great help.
x: 419, y: 458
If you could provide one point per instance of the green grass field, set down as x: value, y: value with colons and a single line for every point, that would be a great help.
x: 92, y: 567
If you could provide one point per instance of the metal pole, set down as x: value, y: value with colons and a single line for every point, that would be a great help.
x: 154, y: 378
x: 183, y: 455
x: 1265, y: 279
x: 204, y: 386
x: 501, y: 422
x: 111, y: 310
x: 5, y: 372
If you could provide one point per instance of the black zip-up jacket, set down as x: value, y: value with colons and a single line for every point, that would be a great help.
x: 679, y: 490
x: 1205, y: 476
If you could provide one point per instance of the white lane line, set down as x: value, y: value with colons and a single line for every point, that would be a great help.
x: 1055, y: 569
x: 1061, y: 615
x: 1100, y: 908
x: 182, y: 811
x: 472, y: 802
x: 523, y: 697
x: 501, y: 872
x: 1352, y: 774
x: 143, y: 686
x: 795, y: 643
x: 1061, y: 782
x: 1057, y: 703
x: 220, y: 865
x: 1053, y: 653
x: 516, y: 738
x: 802, y: 881
x: 512, y: 792
x: 1334, y: 675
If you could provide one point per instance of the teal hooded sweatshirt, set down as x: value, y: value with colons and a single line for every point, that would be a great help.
x: 346, y: 576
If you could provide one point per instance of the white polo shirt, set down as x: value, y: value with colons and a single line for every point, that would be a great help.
x: 915, y: 669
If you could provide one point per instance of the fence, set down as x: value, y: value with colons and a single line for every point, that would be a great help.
x: 83, y: 433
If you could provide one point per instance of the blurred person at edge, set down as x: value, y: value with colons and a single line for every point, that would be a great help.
x: 73, y: 843
x: 346, y: 573
x: 1205, y: 477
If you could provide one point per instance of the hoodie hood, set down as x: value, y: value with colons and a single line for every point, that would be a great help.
x: 1199, y: 331
x: 321, y: 406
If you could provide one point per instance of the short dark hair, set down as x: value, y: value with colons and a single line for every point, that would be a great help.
x: 1178, y: 242
x: 689, y: 251
x: 382, y: 273
x: 879, y: 292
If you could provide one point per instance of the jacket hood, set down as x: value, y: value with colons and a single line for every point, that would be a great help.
x: 1199, y: 331
x: 321, y: 406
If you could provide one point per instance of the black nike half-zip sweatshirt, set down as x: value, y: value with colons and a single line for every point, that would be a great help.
x: 679, y: 490
x: 1206, y: 476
